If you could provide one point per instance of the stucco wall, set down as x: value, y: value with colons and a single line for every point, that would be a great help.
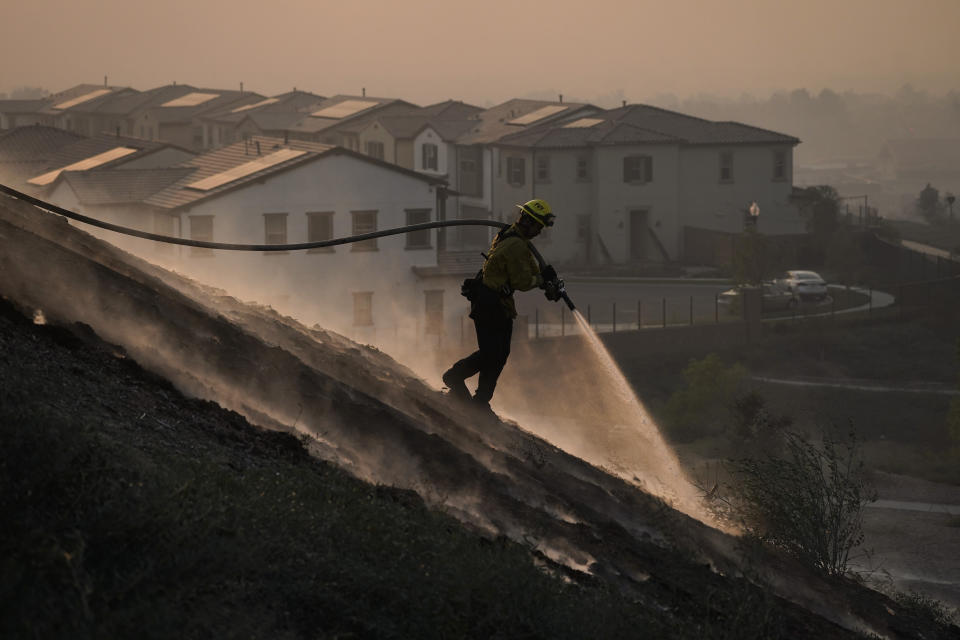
x: 720, y: 206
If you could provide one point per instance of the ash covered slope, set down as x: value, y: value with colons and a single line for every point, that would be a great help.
x: 374, y: 418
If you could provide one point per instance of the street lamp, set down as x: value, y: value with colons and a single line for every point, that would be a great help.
x: 753, y: 215
x: 950, y: 200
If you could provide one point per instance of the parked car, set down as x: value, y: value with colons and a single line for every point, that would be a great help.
x: 807, y: 286
x: 774, y: 297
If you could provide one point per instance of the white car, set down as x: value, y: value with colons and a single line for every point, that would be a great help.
x: 807, y: 286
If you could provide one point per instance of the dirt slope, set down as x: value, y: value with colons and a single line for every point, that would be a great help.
x: 373, y: 417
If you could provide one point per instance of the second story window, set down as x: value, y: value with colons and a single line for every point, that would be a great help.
x: 320, y: 228
x: 516, y: 170
x: 418, y: 239
x: 374, y: 149
x: 543, y: 168
x: 430, y: 157
x: 726, y: 166
x: 364, y: 222
x: 583, y: 169
x: 638, y: 169
x: 274, y: 228
x: 779, y: 165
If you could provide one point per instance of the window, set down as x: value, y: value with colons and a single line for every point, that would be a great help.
x: 583, y: 169
x: 779, y: 165
x: 274, y: 230
x: 374, y: 149
x: 433, y: 312
x: 320, y: 228
x: 364, y: 222
x: 363, y: 308
x: 543, y: 169
x: 726, y: 166
x: 470, y: 160
x: 418, y: 239
x: 638, y: 169
x: 516, y: 171
x: 201, y: 228
x: 429, y: 157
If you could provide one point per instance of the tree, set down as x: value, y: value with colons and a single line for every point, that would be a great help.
x: 821, y: 205
x: 928, y: 204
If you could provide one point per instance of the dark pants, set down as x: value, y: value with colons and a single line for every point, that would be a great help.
x: 494, y: 331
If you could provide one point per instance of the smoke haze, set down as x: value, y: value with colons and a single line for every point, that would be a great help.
x: 426, y: 50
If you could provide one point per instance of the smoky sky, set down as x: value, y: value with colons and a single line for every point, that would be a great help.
x: 486, y: 52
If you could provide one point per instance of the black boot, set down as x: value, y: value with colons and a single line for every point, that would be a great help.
x: 458, y: 389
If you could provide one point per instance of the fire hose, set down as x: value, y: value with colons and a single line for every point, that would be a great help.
x: 555, y: 289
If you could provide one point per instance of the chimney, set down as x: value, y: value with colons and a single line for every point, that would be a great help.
x: 286, y: 137
x: 118, y: 131
x: 258, y: 147
x: 561, y: 98
x: 624, y: 103
x: 363, y: 92
x: 241, y: 87
x: 104, y: 80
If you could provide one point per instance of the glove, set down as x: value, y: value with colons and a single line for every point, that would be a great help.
x: 549, y: 274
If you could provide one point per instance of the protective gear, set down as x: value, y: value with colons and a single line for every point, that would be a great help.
x: 510, y: 266
x: 539, y: 210
x: 549, y: 274
x: 553, y: 290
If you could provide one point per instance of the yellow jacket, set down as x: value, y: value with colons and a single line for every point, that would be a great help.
x: 511, y: 266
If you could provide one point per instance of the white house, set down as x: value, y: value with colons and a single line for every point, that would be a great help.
x: 266, y: 191
x: 635, y: 184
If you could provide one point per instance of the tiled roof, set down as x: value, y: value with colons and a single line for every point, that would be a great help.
x: 22, y: 106
x: 312, y: 124
x: 34, y: 143
x: 694, y: 130
x: 210, y: 164
x: 492, y: 125
x: 292, y: 102
x: 452, y: 109
x: 634, y: 124
x: 122, y: 186
x: 28, y: 152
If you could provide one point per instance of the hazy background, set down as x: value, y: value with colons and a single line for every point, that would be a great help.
x: 485, y: 52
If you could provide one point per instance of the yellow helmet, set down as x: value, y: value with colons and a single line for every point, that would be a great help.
x: 539, y: 210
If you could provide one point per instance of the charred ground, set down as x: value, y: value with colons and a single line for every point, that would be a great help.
x: 133, y: 509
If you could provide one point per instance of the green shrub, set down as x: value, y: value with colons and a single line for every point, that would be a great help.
x: 699, y: 408
x: 808, y: 500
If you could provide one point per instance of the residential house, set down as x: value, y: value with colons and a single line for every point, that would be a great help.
x: 271, y: 191
x: 340, y: 119
x: 33, y: 158
x: 267, y: 117
x: 420, y: 140
x: 477, y: 163
x: 634, y: 184
x: 173, y: 113
x: 22, y: 113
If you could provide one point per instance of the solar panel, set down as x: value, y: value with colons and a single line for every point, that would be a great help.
x: 81, y: 99
x: 83, y: 165
x: 245, y: 169
x: 344, y: 109
x: 539, y: 114
x: 191, y: 99
x: 255, y: 105
x: 583, y: 123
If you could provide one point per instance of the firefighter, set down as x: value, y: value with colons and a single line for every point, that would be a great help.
x: 509, y: 266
